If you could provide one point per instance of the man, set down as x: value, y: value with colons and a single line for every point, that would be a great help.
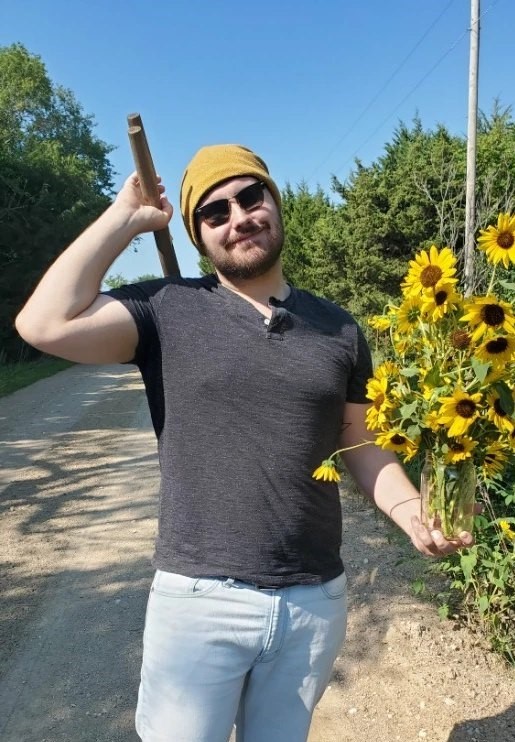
x: 251, y: 383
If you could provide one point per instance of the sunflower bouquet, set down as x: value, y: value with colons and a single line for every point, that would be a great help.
x: 447, y: 394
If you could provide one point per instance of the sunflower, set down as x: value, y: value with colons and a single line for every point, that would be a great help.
x: 460, y: 339
x: 499, y: 242
x: 459, y: 411
x: 430, y: 270
x: 377, y: 413
x: 498, y: 415
x: 437, y: 302
x: 495, y: 459
x: 379, y: 322
x: 408, y: 314
x: 327, y: 471
x: 387, y: 370
x: 488, y: 314
x: 401, y: 344
x: 459, y: 449
x: 496, y: 373
x: 395, y: 440
x: 497, y: 350
x: 427, y: 390
x: 432, y: 421
x: 506, y: 530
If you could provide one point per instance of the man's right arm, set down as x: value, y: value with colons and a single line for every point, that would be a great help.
x: 66, y: 316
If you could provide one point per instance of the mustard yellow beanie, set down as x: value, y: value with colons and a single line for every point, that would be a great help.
x: 211, y: 166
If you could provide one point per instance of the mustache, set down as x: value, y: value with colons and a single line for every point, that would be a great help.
x: 245, y: 232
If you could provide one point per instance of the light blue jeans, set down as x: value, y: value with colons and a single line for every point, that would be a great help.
x: 219, y: 652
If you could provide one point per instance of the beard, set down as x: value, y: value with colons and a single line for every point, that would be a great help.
x: 242, y: 259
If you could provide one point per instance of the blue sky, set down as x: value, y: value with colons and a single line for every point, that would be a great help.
x: 307, y: 85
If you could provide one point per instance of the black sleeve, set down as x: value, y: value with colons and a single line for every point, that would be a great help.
x: 141, y: 300
x: 363, y: 370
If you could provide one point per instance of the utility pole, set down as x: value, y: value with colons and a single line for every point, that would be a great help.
x: 470, y: 197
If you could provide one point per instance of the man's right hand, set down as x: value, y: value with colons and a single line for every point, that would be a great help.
x: 141, y: 216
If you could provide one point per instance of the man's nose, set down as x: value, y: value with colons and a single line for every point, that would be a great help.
x: 238, y: 214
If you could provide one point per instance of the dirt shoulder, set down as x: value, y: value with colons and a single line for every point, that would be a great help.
x: 78, y: 496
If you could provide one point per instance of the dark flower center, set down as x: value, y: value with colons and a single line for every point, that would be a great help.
x: 505, y: 240
x: 496, y: 346
x: 441, y: 298
x: 456, y: 447
x: 430, y: 276
x: 465, y: 408
x: 398, y: 439
x: 492, y: 314
x: 378, y: 401
x: 498, y: 408
x: 460, y: 339
x: 490, y: 458
x: 412, y: 315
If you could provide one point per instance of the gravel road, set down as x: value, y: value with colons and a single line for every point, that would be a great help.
x: 78, y: 499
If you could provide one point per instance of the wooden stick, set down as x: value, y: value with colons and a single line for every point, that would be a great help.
x: 148, y: 183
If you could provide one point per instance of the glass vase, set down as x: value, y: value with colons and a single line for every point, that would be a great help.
x: 448, y: 494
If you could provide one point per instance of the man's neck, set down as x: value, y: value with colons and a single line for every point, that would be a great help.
x: 260, y: 289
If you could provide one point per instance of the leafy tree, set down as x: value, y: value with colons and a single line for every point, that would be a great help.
x: 55, y: 178
x: 115, y: 280
x: 145, y: 277
x: 206, y: 267
x: 302, y: 211
x: 414, y: 195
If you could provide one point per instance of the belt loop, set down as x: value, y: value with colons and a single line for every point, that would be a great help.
x: 229, y: 582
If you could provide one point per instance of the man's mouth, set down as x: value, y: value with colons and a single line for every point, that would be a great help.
x: 247, y: 237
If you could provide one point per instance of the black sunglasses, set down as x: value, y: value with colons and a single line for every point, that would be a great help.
x: 217, y: 213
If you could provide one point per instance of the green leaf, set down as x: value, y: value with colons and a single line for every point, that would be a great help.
x: 468, y: 562
x: 433, y: 378
x: 505, y: 396
x: 483, y: 604
x: 443, y: 611
x: 480, y: 369
x: 418, y: 586
x: 413, y: 431
x: 410, y: 371
x: 507, y: 285
x: 407, y: 410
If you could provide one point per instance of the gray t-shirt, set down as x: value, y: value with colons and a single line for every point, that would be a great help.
x: 244, y: 410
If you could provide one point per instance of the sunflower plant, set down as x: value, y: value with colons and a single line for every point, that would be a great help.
x: 446, y: 393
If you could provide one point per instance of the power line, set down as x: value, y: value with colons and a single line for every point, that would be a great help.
x: 383, y: 87
x: 418, y: 84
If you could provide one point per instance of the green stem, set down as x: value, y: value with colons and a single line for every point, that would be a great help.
x: 349, y: 448
x: 492, y: 279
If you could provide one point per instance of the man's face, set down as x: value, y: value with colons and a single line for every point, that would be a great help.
x: 248, y: 242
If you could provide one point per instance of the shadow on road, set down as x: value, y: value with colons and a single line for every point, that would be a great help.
x: 76, y: 671
x: 499, y: 728
x: 77, y: 519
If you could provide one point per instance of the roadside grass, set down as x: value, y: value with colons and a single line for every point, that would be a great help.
x: 14, y: 376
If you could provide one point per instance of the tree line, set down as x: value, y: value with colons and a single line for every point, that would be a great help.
x: 354, y: 250
x: 55, y: 178
x: 351, y: 245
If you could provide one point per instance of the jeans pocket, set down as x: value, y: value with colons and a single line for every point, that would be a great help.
x: 174, y: 585
x: 335, y: 588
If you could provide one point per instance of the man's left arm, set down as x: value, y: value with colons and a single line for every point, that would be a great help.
x: 381, y: 477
